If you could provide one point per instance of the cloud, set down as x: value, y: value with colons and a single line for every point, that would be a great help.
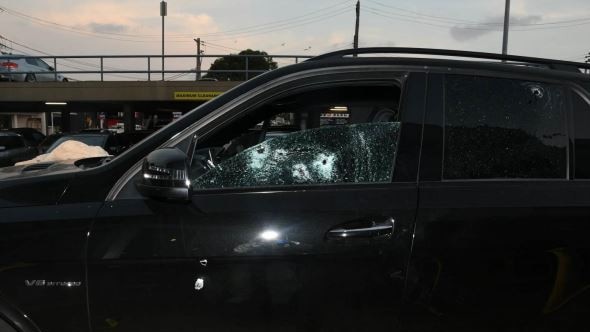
x: 473, y: 31
x: 107, y: 27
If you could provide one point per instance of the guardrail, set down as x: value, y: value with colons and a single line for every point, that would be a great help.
x: 150, y: 65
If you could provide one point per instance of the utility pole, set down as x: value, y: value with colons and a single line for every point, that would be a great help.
x: 356, y: 27
x: 506, y: 27
x: 199, y: 60
x: 163, y: 13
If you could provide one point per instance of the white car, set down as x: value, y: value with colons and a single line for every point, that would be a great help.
x: 21, y: 68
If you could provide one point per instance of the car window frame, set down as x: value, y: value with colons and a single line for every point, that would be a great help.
x: 585, y: 96
x: 265, y: 92
x: 241, y: 111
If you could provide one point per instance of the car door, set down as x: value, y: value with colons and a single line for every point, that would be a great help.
x: 500, y: 234
x: 308, y: 230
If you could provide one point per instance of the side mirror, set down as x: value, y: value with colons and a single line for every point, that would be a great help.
x: 164, y: 174
x: 51, y: 68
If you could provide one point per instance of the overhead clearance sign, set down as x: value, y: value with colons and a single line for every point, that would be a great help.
x: 195, y: 95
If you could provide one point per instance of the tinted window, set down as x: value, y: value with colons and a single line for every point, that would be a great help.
x: 503, y: 128
x: 42, y: 64
x: 582, y: 133
x: 11, y: 142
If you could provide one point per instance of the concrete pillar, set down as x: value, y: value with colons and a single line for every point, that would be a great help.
x: 65, y: 121
x: 44, y: 123
x: 129, y: 118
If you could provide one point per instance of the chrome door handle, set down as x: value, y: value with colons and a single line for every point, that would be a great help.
x: 377, y: 229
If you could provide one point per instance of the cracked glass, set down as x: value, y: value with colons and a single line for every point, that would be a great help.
x: 356, y: 153
x: 503, y: 128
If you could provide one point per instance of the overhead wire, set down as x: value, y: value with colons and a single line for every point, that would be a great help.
x: 394, y: 17
x: 83, y: 63
x: 309, y: 21
x: 260, y: 28
x: 419, y: 15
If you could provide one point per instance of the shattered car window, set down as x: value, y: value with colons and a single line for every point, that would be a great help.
x: 503, y: 128
x: 344, y: 154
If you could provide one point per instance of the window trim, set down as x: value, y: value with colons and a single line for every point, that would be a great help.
x: 583, y: 94
x: 364, y: 73
x: 567, y: 85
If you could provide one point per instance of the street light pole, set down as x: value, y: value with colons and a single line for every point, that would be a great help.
x: 356, y: 26
x: 506, y: 27
x: 163, y: 13
x: 198, y: 64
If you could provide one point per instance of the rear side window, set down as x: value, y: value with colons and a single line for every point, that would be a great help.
x: 498, y: 128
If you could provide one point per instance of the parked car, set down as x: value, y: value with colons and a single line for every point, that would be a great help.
x: 14, y: 148
x: 23, y: 68
x: 107, y: 140
x: 48, y: 141
x: 32, y: 136
x: 343, y: 193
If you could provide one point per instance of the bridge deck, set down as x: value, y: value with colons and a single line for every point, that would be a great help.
x: 112, y: 91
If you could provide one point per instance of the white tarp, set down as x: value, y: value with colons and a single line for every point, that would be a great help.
x: 69, y: 151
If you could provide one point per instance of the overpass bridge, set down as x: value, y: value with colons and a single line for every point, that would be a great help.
x: 126, y: 105
x: 103, y: 94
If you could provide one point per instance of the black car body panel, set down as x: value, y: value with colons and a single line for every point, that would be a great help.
x: 82, y: 249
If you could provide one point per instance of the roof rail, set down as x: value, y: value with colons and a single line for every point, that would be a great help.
x: 553, y: 64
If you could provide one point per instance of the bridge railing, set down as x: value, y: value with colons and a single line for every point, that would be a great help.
x: 143, y: 67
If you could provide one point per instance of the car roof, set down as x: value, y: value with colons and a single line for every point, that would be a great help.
x: 8, y: 133
x: 98, y: 134
x: 25, y: 129
x: 12, y: 56
x: 429, y: 58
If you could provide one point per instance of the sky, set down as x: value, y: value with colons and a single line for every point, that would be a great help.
x: 544, y: 28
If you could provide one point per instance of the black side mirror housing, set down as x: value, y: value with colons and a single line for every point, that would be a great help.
x: 164, y: 175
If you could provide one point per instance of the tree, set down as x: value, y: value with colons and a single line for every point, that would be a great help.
x: 231, y: 62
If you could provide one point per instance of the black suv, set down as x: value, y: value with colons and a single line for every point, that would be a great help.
x: 344, y: 193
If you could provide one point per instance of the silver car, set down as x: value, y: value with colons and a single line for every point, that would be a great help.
x: 21, y: 68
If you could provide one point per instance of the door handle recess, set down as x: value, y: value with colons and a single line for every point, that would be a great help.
x: 374, y: 230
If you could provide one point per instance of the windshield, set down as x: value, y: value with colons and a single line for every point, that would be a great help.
x: 92, y: 140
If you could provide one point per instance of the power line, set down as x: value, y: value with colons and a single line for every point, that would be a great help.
x: 94, y: 66
x: 218, y: 46
x: 236, y: 31
x: 390, y: 16
x: 419, y: 15
x: 310, y: 21
x: 283, y: 22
